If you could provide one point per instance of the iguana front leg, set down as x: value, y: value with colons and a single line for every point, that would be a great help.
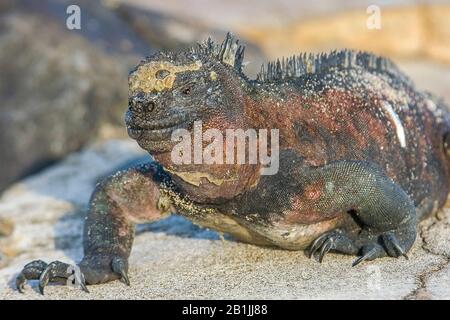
x: 117, y: 204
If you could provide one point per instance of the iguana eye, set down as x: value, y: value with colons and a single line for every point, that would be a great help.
x: 188, y: 88
x: 161, y: 74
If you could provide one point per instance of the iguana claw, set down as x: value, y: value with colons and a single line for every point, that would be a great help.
x: 334, y: 240
x: 385, y: 244
x: 370, y: 253
x: 120, y: 267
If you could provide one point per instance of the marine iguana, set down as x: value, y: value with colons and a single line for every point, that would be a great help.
x: 363, y: 156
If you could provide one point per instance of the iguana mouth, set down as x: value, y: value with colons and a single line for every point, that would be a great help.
x: 157, y: 129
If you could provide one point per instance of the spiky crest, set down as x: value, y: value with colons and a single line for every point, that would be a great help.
x: 299, y: 65
x: 230, y: 52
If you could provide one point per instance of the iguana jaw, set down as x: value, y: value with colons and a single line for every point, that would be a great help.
x: 158, y: 130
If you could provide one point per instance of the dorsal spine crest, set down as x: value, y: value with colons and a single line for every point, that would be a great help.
x: 298, y: 65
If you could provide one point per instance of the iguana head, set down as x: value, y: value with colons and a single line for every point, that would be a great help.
x: 170, y: 91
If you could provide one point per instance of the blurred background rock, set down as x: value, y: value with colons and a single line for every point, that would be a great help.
x: 61, y: 89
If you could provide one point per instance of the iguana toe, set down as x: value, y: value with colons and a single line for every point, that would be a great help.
x: 392, y: 245
x: 367, y: 245
x: 369, y: 252
x: 120, y: 266
x: 104, y: 268
x: 335, y: 240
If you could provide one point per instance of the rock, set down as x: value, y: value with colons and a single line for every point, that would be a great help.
x: 6, y: 229
x: 408, y: 29
x: 173, y: 32
x: 235, y: 14
x: 433, y: 77
x: 173, y: 258
x: 58, y: 86
x: 406, y: 32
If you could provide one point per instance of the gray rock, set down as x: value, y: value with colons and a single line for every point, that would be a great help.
x: 172, y: 32
x: 58, y: 86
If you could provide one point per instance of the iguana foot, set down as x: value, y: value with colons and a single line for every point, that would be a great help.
x: 104, y: 268
x: 54, y: 272
x: 366, y: 246
x: 91, y: 270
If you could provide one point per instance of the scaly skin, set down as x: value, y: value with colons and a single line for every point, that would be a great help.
x: 363, y: 157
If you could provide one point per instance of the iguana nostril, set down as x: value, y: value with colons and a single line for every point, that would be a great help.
x: 141, y: 103
x: 135, y: 101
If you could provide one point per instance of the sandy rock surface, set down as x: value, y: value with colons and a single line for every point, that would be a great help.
x: 173, y: 258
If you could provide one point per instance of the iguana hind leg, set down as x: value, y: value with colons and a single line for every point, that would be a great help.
x: 117, y: 204
x: 385, y: 212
